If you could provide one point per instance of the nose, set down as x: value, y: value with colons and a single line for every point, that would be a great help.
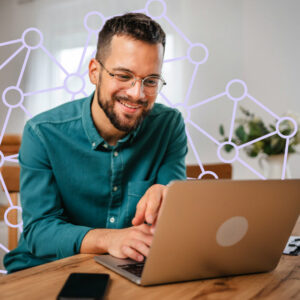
x: 136, y: 91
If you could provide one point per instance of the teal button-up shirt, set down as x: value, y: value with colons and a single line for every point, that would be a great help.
x: 72, y: 181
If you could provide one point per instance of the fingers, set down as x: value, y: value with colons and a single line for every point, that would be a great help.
x: 148, y: 206
x: 139, y: 217
x: 137, y: 248
x: 155, y: 199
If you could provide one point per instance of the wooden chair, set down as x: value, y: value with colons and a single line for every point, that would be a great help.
x: 11, y: 174
x: 10, y: 144
x: 223, y: 171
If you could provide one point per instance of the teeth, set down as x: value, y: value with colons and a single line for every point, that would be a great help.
x: 130, y: 106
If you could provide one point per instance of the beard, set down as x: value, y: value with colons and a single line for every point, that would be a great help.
x: 123, y: 124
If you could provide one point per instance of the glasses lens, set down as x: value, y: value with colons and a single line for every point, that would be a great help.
x: 152, y: 85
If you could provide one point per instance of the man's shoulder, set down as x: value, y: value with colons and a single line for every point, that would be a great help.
x: 66, y: 112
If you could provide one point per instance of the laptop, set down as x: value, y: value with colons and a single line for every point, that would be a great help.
x: 215, y: 228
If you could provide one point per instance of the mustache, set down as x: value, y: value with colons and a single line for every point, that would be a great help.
x: 140, y: 102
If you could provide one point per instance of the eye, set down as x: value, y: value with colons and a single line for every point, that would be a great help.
x: 151, y: 81
x: 123, y: 76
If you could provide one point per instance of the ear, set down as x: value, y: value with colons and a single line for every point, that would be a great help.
x: 94, y: 70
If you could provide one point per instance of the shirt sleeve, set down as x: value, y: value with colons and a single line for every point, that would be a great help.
x: 47, y: 230
x: 173, y: 163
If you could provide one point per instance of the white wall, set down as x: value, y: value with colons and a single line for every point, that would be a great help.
x: 255, y: 41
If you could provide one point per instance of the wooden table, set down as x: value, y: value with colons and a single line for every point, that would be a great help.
x: 45, y: 282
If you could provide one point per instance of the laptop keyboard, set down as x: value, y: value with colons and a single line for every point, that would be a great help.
x: 135, y: 269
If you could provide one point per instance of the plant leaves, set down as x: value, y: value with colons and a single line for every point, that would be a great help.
x: 221, y: 130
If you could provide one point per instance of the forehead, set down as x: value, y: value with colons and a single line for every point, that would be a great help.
x: 137, y: 56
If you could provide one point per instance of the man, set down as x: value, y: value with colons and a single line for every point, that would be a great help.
x: 94, y: 171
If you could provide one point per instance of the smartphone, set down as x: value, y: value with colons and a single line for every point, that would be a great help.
x: 90, y: 286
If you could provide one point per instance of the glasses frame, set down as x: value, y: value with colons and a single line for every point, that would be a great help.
x: 135, y: 79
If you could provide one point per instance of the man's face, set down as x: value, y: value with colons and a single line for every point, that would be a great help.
x: 126, y: 108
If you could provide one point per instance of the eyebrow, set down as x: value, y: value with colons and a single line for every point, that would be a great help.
x: 129, y: 71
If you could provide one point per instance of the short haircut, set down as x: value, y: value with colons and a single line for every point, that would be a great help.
x: 135, y: 25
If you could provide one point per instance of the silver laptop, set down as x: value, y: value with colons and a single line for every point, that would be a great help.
x: 214, y: 228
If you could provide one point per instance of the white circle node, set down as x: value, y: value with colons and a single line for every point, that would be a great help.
x: 163, y: 9
x: 32, y: 38
x: 193, y: 51
x: 6, y: 219
x: 74, y: 83
x: 293, y: 132
x: 232, y: 231
x: 2, y: 159
x: 208, y: 173
x: 234, y: 82
x: 12, y: 97
x: 224, y: 159
x: 88, y: 18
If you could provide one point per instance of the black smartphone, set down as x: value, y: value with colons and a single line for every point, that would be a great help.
x: 90, y: 286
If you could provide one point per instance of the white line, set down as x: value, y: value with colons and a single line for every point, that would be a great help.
x: 5, y: 190
x: 256, y: 140
x: 232, y: 121
x: 23, y: 68
x: 4, y: 248
x: 203, y: 132
x: 43, y: 91
x: 250, y: 168
x: 263, y: 107
x: 208, y: 100
x: 54, y: 59
x: 11, y: 57
x: 5, y: 124
x: 11, y: 42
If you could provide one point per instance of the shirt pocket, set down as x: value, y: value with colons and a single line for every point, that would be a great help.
x: 136, y: 190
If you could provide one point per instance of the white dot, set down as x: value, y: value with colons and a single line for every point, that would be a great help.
x: 232, y: 231
x: 94, y: 144
x: 116, y: 153
x: 112, y: 220
x: 105, y: 146
x: 115, y: 188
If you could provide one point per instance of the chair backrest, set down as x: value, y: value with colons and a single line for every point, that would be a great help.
x: 223, y: 171
x: 11, y: 176
x: 10, y: 144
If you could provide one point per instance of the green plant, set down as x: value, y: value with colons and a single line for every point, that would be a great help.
x: 251, y: 128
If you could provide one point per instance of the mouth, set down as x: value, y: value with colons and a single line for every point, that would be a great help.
x: 130, y: 107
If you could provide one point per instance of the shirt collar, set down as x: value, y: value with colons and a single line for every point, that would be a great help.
x: 91, y: 131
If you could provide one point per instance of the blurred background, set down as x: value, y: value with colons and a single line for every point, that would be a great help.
x: 255, y: 41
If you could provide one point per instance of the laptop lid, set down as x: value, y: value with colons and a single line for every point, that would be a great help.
x: 213, y: 228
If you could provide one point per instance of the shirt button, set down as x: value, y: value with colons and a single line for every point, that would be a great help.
x: 116, y: 153
x: 112, y: 220
x: 115, y: 188
x: 105, y: 146
x: 94, y: 144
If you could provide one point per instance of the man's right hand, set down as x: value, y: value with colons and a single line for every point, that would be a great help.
x: 133, y: 242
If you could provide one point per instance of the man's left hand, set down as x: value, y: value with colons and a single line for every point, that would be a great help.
x: 149, y: 205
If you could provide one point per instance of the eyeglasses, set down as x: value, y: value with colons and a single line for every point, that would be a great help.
x: 151, y: 85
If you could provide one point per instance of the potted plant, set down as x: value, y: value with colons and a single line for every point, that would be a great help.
x: 270, y: 149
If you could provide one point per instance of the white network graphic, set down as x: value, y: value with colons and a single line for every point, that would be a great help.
x: 184, y: 106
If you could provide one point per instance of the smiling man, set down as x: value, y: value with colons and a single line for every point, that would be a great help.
x: 94, y: 171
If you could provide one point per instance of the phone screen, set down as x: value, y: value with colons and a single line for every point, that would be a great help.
x: 84, y: 285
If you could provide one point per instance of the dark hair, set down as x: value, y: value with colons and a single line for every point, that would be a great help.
x: 136, y: 25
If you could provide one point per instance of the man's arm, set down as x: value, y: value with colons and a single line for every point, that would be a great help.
x: 133, y: 242
x: 47, y: 230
